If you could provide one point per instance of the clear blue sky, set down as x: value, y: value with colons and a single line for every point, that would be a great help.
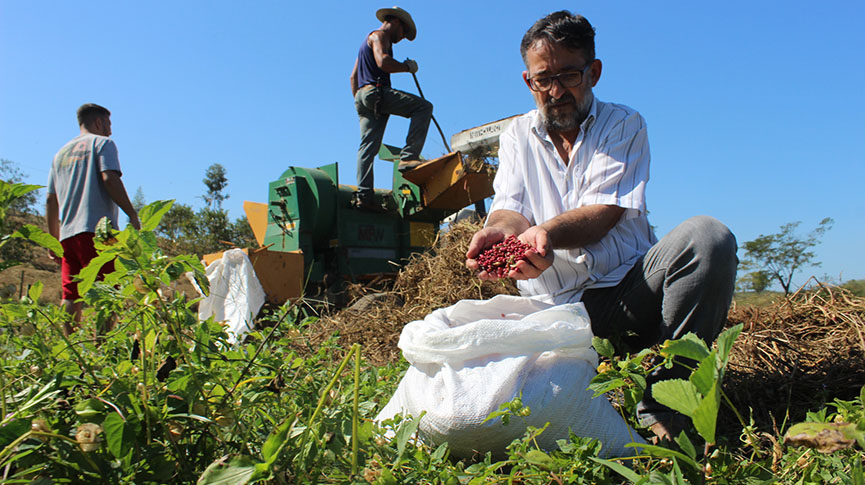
x: 756, y: 110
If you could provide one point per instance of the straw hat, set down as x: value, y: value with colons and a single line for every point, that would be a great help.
x: 403, y: 16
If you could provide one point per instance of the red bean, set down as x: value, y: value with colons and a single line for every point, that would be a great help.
x: 500, y: 258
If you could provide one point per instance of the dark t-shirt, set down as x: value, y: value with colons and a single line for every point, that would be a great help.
x: 368, y: 71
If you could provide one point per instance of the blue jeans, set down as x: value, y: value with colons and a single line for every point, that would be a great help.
x: 684, y: 283
x: 374, y: 106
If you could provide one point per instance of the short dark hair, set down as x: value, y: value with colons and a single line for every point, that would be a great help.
x: 562, y: 27
x: 89, y: 112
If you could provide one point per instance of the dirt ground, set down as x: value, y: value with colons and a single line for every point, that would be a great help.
x: 15, y: 281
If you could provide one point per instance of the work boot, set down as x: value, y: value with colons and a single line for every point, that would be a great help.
x: 668, y: 427
x: 406, y: 165
x: 366, y: 201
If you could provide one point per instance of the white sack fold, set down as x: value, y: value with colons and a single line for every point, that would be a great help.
x: 468, y: 359
x: 236, y: 295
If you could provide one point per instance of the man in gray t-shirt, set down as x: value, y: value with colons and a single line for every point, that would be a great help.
x: 84, y: 186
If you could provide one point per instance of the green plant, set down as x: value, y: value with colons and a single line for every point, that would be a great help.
x: 9, y: 195
x: 157, y: 392
x: 25, y: 204
x: 842, y: 430
x: 699, y: 397
x: 245, y: 469
x: 626, y: 376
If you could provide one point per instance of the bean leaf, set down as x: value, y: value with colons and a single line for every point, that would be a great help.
x: 151, y: 214
x: 228, y: 470
x: 118, y: 436
x: 40, y: 237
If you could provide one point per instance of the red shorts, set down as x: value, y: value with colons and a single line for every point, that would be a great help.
x: 78, y: 250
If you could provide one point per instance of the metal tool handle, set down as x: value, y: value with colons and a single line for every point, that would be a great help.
x: 480, y: 206
x: 433, y: 118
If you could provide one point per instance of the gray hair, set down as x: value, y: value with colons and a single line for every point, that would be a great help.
x: 564, y: 28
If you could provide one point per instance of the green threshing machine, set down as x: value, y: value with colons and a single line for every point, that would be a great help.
x: 311, y: 233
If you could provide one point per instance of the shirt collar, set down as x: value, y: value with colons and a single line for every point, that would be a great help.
x: 541, y: 132
x: 593, y: 112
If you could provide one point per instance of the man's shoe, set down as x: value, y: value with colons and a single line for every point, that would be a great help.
x: 368, y: 204
x: 669, y: 427
x: 406, y: 165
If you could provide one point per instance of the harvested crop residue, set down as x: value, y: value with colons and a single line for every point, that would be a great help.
x: 797, y: 354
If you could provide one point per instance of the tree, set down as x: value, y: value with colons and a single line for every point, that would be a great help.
x: 780, y: 255
x: 241, y: 233
x: 756, y: 281
x: 216, y: 181
x: 138, y: 200
x: 215, y: 230
x: 177, y: 230
x: 184, y: 231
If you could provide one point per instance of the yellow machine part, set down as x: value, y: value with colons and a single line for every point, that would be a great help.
x: 256, y: 214
x: 280, y: 273
x: 449, y: 183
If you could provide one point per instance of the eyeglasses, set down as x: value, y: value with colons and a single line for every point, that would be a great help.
x: 566, y: 79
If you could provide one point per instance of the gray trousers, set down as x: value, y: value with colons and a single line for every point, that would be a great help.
x: 684, y: 283
x: 374, y: 106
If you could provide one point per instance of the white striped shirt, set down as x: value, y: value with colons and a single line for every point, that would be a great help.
x: 609, y: 164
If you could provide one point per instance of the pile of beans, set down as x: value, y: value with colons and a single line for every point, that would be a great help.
x: 500, y: 258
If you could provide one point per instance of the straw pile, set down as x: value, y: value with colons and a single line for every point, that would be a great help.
x: 796, y: 355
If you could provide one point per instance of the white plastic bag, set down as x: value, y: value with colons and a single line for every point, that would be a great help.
x: 471, y: 357
x: 236, y: 295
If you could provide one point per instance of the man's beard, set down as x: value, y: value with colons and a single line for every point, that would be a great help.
x: 565, y: 120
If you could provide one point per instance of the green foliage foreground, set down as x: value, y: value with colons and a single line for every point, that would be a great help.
x: 163, y: 398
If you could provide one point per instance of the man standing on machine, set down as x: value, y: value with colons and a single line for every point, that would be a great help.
x: 375, y: 100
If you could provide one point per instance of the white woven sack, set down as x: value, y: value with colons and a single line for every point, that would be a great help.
x: 236, y: 295
x: 471, y: 357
